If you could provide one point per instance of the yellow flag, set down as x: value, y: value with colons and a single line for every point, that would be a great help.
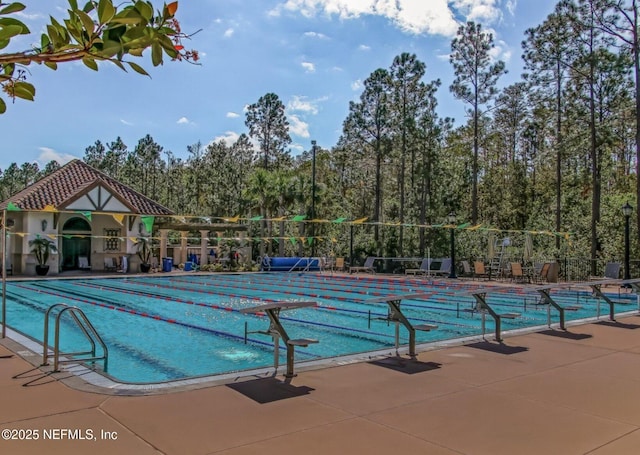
x: 118, y: 217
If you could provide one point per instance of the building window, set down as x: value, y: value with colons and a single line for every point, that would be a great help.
x: 111, y: 240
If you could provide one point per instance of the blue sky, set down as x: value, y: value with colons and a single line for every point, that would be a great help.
x: 314, y: 54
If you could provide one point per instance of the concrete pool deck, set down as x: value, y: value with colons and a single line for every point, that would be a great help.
x: 552, y: 392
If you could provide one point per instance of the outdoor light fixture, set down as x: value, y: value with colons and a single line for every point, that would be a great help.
x: 626, y: 211
x: 452, y: 220
x: 44, y: 225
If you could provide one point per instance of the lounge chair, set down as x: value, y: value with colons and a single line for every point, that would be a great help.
x: 110, y: 265
x: 367, y: 267
x: 423, y: 270
x: 83, y: 263
x: 479, y: 270
x: 445, y: 267
x: 466, y: 269
x: 517, y: 274
x: 541, y: 272
x: 338, y: 264
x: 611, y: 272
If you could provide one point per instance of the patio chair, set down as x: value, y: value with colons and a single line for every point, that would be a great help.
x: 338, y: 264
x: 423, y: 270
x: 541, y: 271
x: 110, y: 264
x: 611, y: 272
x: 517, y: 274
x: 479, y: 270
x: 445, y: 267
x: 367, y: 267
x: 466, y: 269
x: 83, y: 263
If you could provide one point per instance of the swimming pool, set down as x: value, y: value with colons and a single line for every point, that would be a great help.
x: 171, y: 327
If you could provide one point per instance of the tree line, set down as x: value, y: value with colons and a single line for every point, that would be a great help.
x: 556, y: 152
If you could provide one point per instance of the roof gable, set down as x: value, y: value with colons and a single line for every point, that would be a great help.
x: 78, y: 186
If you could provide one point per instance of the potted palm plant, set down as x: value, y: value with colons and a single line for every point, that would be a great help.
x: 42, y: 248
x: 144, y: 253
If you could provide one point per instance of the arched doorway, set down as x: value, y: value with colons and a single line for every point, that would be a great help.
x: 75, y: 246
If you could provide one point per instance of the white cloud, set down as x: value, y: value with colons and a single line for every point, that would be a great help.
x: 309, y: 67
x: 228, y: 33
x: 364, y: 47
x: 48, y: 154
x: 302, y: 104
x: 183, y: 121
x: 229, y: 137
x: 500, y: 51
x: 356, y: 85
x: 125, y: 122
x: 30, y: 16
x: 298, y: 126
x: 483, y: 11
x: 432, y: 17
x: 297, y: 149
x: 232, y: 115
x: 316, y: 35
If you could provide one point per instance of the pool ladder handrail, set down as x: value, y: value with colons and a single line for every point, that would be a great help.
x: 307, y: 267
x: 85, y: 326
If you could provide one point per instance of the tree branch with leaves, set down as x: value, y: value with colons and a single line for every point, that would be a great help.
x: 99, y: 31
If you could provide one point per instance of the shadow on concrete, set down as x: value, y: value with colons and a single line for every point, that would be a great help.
x: 566, y: 334
x: 267, y: 390
x: 619, y: 325
x: 499, y: 348
x: 407, y: 366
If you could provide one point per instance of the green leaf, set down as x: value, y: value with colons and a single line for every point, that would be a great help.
x: 3, y: 106
x: 156, y: 54
x: 145, y: 10
x: 4, y: 43
x: 90, y: 63
x: 126, y: 20
x: 12, y: 8
x: 110, y: 48
x: 4, y: 21
x: 137, y: 52
x: 73, y: 4
x: 24, y: 90
x: 138, y: 69
x: 87, y: 22
x: 106, y: 11
x: 9, y: 31
x: 51, y: 65
x: 119, y: 64
x: 44, y: 42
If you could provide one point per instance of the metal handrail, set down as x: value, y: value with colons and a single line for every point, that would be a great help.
x: 310, y: 261
x: 296, y: 265
x: 87, y: 328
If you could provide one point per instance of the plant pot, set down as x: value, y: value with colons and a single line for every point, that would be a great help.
x: 42, y: 270
x: 144, y: 268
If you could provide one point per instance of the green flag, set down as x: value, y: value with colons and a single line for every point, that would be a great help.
x: 148, y: 222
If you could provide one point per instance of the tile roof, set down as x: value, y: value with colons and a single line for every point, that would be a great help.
x: 72, y: 180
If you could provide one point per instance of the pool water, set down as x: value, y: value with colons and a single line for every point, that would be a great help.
x: 167, y: 328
